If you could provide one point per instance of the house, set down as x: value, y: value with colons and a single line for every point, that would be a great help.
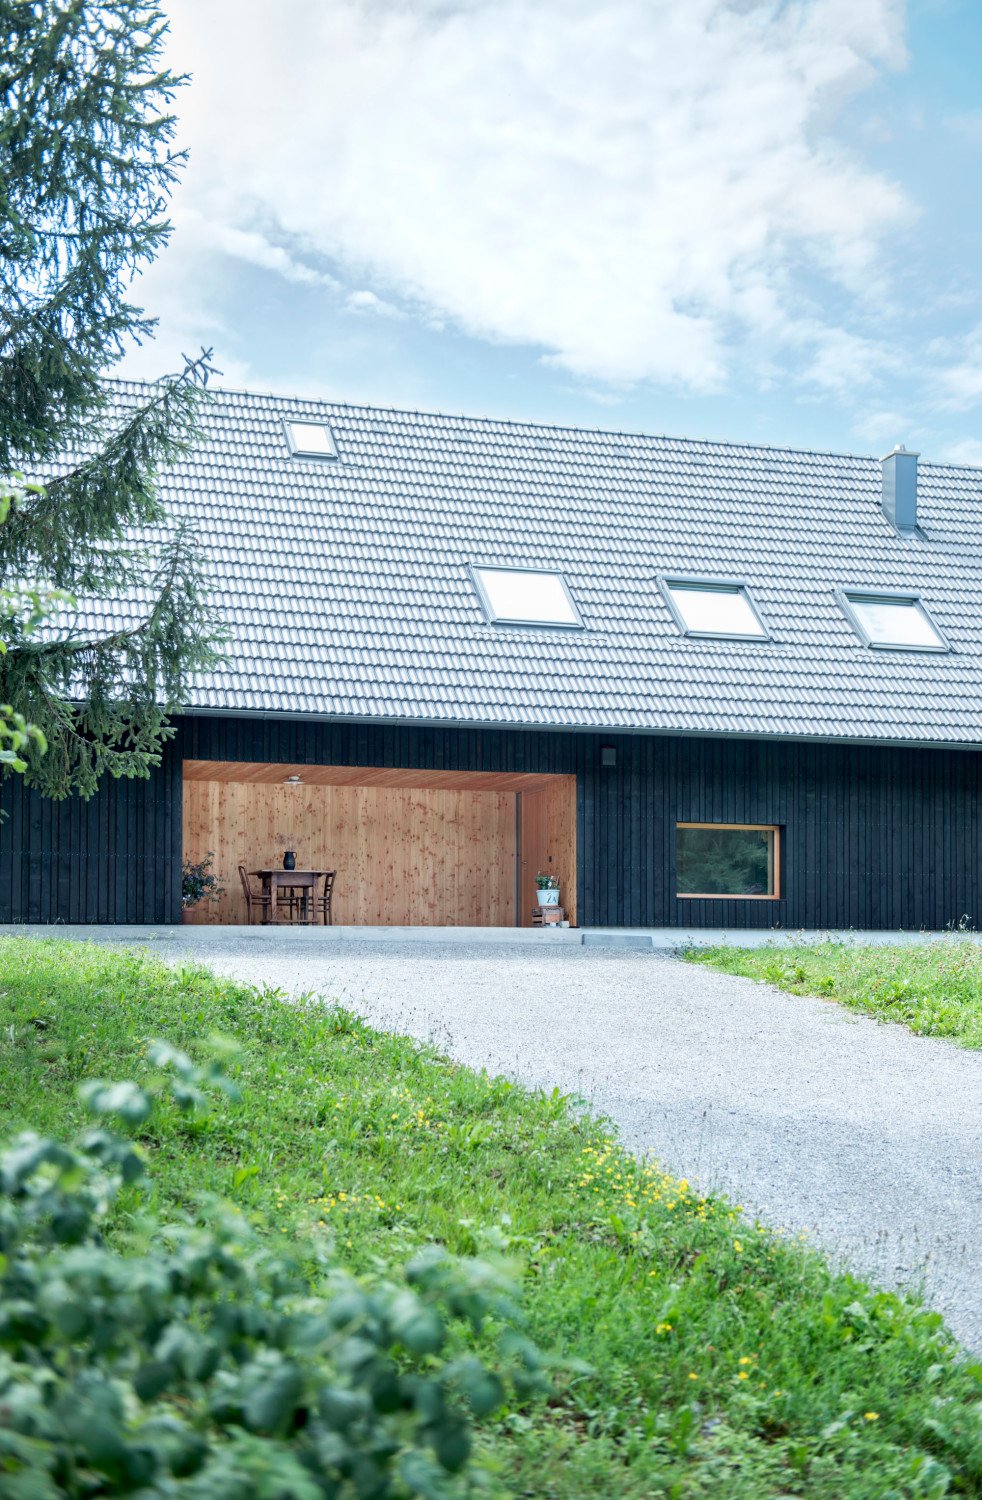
x: 701, y: 683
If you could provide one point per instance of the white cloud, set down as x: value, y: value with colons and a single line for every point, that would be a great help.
x: 966, y: 451
x: 630, y: 187
x: 960, y: 378
x: 181, y: 290
x: 968, y: 126
x: 187, y: 285
x: 367, y: 302
x: 255, y: 249
x: 841, y: 362
x: 883, y: 428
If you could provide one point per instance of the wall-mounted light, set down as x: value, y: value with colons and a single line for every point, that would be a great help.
x: 608, y: 755
x: 293, y: 781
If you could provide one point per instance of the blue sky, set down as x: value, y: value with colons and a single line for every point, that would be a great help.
x: 755, y: 221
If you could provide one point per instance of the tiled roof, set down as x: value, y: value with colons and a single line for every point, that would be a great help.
x: 346, y: 588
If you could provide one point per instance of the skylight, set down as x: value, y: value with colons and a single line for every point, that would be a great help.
x: 710, y: 608
x: 893, y: 620
x: 525, y: 596
x: 311, y: 440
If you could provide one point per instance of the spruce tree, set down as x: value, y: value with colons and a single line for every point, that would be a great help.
x: 103, y: 613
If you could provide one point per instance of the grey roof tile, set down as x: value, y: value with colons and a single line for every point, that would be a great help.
x: 345, y: 587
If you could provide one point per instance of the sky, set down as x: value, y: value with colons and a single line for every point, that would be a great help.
x: 712, y: 218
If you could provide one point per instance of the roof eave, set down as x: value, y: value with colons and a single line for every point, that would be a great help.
x: 632, y: 731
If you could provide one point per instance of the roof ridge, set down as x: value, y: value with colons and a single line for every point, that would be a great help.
x: 607, y: 432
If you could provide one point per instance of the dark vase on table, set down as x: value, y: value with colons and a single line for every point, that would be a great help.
x: 289, y: 860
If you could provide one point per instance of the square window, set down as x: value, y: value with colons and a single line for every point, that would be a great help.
x: 893, y: 620
x: 714, y: 609
x: 525, y: 596
x: 734, y: 860
x: 311, y: 440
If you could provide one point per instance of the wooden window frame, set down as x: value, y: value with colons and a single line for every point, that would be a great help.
x: 775, y: 895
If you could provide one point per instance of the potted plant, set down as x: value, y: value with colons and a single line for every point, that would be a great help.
x: 547, y: 889
x: 197, y: 882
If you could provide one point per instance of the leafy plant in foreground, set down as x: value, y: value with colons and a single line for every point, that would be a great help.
x: 208, y: 1367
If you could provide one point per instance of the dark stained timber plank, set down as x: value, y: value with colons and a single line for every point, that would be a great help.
x: 871, y: 836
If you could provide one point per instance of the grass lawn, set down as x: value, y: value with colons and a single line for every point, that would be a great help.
x: 934, y: 988
x: 724, y: 1362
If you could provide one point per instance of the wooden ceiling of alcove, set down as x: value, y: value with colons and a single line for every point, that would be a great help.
x: 264, y: 774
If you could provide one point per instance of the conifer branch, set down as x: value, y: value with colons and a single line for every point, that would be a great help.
x: 87, y: 161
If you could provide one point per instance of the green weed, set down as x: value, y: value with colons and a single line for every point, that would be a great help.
x: 934, y: 989
x: 705, y: 1356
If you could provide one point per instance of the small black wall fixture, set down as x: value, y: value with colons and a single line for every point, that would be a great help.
x: 608, y: 755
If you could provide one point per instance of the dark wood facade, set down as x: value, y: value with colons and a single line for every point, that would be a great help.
x: 871, y: 837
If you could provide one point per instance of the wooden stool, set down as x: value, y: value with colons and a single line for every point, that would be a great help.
x: 547, y: 916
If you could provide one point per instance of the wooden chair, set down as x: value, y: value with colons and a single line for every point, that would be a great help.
x: 254, y: 898
x: 289, y: 898
x: 323, y: 903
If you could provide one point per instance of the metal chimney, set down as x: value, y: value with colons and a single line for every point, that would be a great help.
x: 900, y: 488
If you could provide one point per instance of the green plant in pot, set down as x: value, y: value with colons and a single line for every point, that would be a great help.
x: 547, y: 887
x: 198, y: 881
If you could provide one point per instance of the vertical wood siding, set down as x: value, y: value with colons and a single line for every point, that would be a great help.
x: 872, y: 837
x: 115, y: 858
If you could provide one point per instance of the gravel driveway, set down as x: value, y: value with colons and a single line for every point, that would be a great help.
x: 811, y: 1117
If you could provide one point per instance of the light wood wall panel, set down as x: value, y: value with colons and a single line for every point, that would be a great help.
x: 415, y: 856
x: 560, y: 798
x: 548, y: 842
x: 534, y: 850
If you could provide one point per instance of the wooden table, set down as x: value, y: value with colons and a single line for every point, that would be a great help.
x: 304, y: 880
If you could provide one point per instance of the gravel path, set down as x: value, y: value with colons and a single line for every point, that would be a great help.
x: 811, y: 1117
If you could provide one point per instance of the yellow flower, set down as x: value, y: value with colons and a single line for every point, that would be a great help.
x: 745, y: 1359
x: 663, y: 1328
x: 871, y: 1416
x: 693, y: 1375
x: 743, y: 1375
x: 738, y: 1247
